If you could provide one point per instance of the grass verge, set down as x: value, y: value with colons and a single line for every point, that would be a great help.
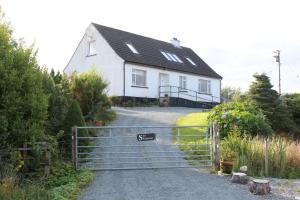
x: 198, y: 150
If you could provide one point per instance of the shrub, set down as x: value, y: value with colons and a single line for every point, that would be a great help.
x: 89, y: 89
x: 293, y: 104
x: 74, y: 118
x: 23, y: 104
x: 116, y: 101
x: 245, y: 116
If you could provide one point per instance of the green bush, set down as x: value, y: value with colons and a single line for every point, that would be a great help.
x: 242, y: 115
x: 293, y: 104
x: 74, y: 118
x: 89, y: 89
x: 63, y: 183
x: 23, y: 104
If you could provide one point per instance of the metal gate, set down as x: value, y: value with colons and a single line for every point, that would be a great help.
x: 141, y: 147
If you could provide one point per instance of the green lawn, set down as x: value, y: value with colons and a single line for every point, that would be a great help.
x: 193, y: 136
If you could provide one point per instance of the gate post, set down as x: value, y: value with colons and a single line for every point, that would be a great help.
x: 217, y: 146
x: 74, y: 146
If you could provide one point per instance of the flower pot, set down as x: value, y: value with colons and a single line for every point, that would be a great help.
x: 226, y: 167
x: 165, y: 103
x: 98, y: 123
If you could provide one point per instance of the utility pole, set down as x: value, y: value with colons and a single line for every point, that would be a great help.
x: 277, y: 57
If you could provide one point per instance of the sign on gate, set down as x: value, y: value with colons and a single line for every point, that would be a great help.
x: 145, y: 137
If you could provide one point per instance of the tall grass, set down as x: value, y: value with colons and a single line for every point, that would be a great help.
x: 283, y: 155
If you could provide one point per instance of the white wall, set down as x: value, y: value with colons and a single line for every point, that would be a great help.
x: 110, y: 65
x: 106, y: 61
x: 152, y: 83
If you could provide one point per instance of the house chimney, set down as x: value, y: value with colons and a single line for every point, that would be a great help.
x: 175, y: 42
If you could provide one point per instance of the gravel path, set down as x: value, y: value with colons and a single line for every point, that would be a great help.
x: 161, y: 184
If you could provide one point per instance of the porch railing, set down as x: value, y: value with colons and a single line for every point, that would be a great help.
x: 175, y: 91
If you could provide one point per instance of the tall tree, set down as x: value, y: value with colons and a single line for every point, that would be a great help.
x: 269, y: 101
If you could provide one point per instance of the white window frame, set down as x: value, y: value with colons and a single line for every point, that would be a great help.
x: 183, y: 82
x: 207, y: 87
x: 92, y: 51
x: 166, y: 55
x: 132, y: 48
x: 177, y: 58
x: 171, y: 57
x: 191, y: 61
x: 135, y: 74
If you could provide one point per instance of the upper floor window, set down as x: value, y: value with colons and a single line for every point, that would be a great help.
x: 138, y: 77
x: 182, y: 82
x: 191, y: 61
x: 92, y: 48
x: 166, y: 55
x: 171, y: 57
x: 204, y: 86
x: 132, y: 48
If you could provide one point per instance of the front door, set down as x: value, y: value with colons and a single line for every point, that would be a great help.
x: 164, y: 84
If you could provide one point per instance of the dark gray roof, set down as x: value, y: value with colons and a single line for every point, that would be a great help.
x: 149, y: 52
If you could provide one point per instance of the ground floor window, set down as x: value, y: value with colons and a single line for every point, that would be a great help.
x: 138, y: 77
x: 182, y: 82
x: 204, y: 86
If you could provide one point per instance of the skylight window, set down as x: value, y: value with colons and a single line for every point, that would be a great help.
x: 131, y: 47
x: 177, y: 58
x: 191, y: 61
x: 171, y: 57
x: 166, y: 56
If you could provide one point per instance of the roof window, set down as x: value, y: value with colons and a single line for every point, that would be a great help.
x: 191, y: 61
x: 171, y: 57
x: 131, y: 47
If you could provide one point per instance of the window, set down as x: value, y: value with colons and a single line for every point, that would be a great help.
x: 166, y: 56
x: 182, y: 82
x: 138, y: 77
x: 171, y: 57
x: 131, y: 47
x: 177, y: 58
x: 191, y: 61
x: 92, y: 47
x: 204, y: 86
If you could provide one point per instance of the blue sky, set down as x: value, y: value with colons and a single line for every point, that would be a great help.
x: 235, y: 37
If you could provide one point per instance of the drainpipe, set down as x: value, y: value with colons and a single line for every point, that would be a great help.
x: 124, y: 86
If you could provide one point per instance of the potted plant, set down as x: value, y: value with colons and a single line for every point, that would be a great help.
x: 227, y: 160
x: 98, y: 122
x: 165, y: 103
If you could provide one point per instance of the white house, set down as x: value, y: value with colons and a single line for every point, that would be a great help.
x: 138, y: 66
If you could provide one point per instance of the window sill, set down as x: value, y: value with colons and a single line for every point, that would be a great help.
x: 204, y: 93
x: 183, y: 90
x: 91, y: 55
x: 137, y: 86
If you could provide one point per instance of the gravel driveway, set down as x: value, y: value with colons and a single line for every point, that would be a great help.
x: 159, y: 184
